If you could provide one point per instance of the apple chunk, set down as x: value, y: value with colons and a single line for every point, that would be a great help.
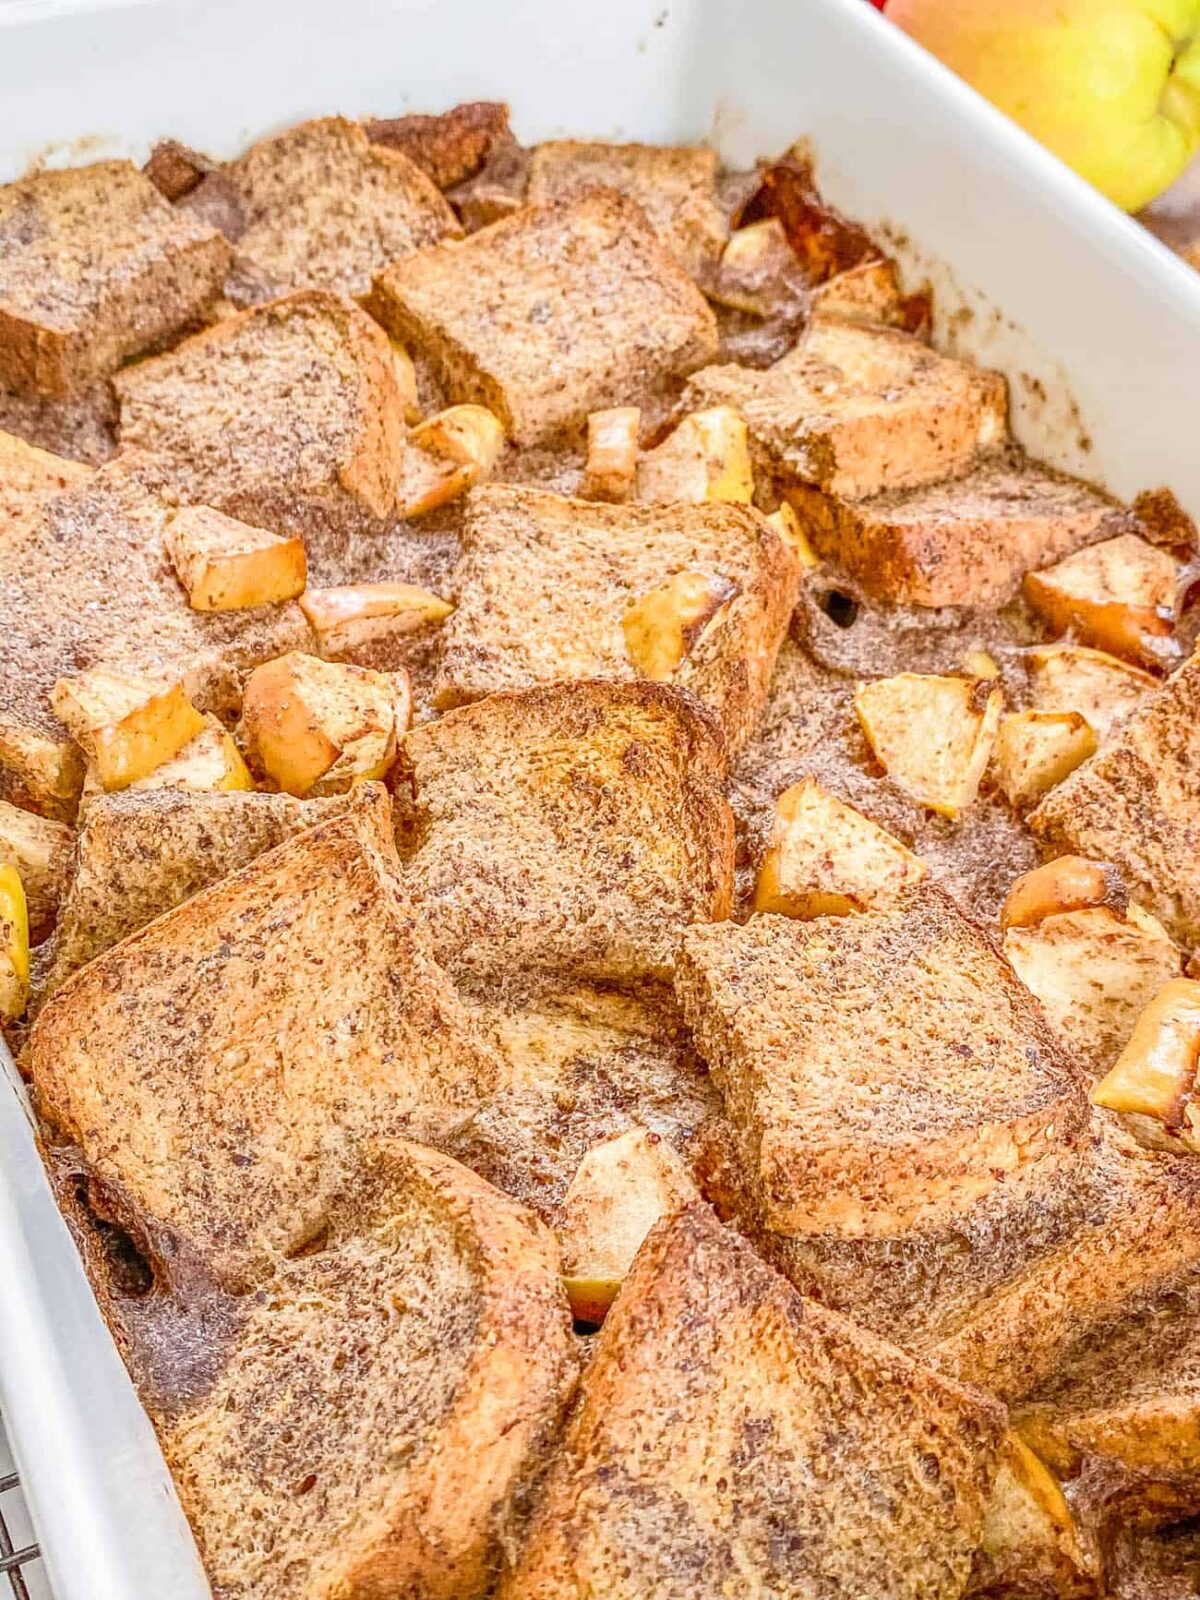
x: 1035, y: 750
x: 706, y: 458
x: 790, y: 529
x: 209, y: 761
x: 1154, y: 1077
x: 933, y: 736
x: 14, y: 945
x: 622, y: 1187
x: 227, y: 565
x: 316, y: 726
x: 664, y: 626
x: 451, y: 452
x: 350, y: 616
x: 826, y: 859
x: 612, y: 454
x: 1029, y: 1543
x: 40, y: 851
x: 1118, y: 595
x: 127, y: 725
x: 1092, y: 957
x: 1070, y: 677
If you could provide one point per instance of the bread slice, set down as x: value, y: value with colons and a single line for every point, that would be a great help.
x: 545, y: 587
x: 322, y: 207
x: 287, y: 416
x: 29, y: 479
x: 40, y: 851
x: 552, y: 313
x: 449, y: 147
x: 96, y: 267
x: 290, y: 1011
x: 141, y: 852
x: 675, y: 185
x: 570, y: 829
x: 884, y: 1071
x: 857, y: 410
x: 967, y: 542
x: 366, y: 1422
x: 1136, y: 803
x: 732, y: 1438
x: 1138, y: 1237
x: 85, y: 581
x: 581, y: 1063
x: 1128, y: 1395
x: 81, y: 426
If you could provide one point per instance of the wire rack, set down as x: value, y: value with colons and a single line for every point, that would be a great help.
x: 22, y: 1575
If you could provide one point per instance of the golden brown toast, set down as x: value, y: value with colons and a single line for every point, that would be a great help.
x: 366, y: 1422
x: 320, y: 206
x: 545, y: 583
x: 580, y: 1064
x: 95, y: 267
x: 885, y: 1072
x: 552, y: 313
x: 287, y: 416
x: 967, y: 542
x: 1137, y: 803
x: 102, y: 544
x: 732, y: 1438
x: 856, y: 410
x: 675, y: 185
x: 141, y: 852
x: 571, y: 829
x: 292, y: 1011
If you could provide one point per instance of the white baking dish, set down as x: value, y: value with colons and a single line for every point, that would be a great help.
x: 1096, y: 324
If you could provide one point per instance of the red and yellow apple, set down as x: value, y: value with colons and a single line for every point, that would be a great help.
x: 1111, y: 86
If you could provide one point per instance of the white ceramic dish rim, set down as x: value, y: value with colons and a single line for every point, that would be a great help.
x: 1100, y: 337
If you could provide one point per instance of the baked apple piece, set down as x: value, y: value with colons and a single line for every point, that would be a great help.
x: 449, y: 453
x: 826, y: 859
x: 1154, y: 1077
x: 612, y: 454
x: 316, y: 726
x: 933, y: 736
x: 623, y: 1186
x: 1092, y: 956
x: 706, y: 458
x: 1071, y: 677
x: 127, y: 725
x: 790, y: 529
x: 1035, y: 750
x: 663, y: 626
x: 14, y: 945
x: 1118, y: 595
x: 227, y: 565
x: 209, y: 762
x: 1030, y: 1543
x: 406, y: 382
x: 347, y: 617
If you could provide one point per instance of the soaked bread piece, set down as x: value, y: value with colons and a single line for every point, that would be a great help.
x: 884, y: 1071
x: 320, y: 206
x: 675, y: 185
x: 367, y: 1421
x: 291, y: 1011
x: 554, y: 312
x: 287, y: 416
x: 95, y: 267
x: 570, y: 829
x: 731, y: 1437
x: 546, y: 586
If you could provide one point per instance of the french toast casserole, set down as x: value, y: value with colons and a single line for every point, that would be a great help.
x: 599, y: 881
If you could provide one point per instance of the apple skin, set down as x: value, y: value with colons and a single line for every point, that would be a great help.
x: 1110, y: 86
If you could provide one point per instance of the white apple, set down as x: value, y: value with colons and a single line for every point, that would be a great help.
x: 1111, y: 86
